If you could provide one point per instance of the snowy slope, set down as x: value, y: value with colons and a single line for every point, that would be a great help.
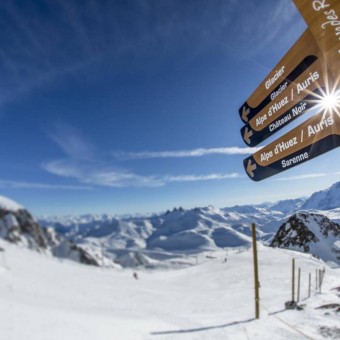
x: 325, y: 199
x: 288, y: 206
x: 45, y: 298
x: 8, y: 204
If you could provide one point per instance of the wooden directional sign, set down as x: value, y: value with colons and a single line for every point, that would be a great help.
x: 317, y: 135
x: 301, y: 95
x: 323, y: 20
x: 310, y: 68
x: 303, y: 54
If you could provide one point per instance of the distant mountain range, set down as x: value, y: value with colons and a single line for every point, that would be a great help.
x: 104, y: 239
x: 325, y: 199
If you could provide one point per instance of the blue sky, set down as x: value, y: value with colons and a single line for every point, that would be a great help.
x: 132, y: 106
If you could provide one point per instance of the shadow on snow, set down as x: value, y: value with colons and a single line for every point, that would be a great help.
x: 200, y: 329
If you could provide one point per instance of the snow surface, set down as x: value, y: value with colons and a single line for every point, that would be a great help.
x: 45, y: 298
x: 8, y: 204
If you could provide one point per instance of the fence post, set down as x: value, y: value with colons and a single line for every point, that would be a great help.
x: 293, y: 279
x: 320, y: 280
x: 256, y: 273
x: 298, y: 287
x: 316, y: 279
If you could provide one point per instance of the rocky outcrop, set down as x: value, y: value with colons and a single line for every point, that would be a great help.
x: 310, y: 232
x: 19, y: 227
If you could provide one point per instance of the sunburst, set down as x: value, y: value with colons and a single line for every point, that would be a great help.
x: 329, y: 101
x: 328, y: 98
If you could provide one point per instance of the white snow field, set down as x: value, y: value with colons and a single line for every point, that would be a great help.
x: 43, y: 298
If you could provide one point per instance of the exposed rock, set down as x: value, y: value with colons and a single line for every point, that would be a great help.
x: 19, y: 227
x: 309, y: 232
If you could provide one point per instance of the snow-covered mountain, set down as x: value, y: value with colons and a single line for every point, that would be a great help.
x: 310, y: 233
x: 288, y: 206
x: 154, y: 239
x: 325, y: 199
x: 167, y: 237
x: 19, y: 227
x: 146, y: 240
x: 149, y: 241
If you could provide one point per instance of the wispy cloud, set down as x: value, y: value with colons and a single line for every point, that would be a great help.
x: 84, y: 163
x: 97, y: 174
x: 200, y: 152
x: 117, y: 178
x: 196, y: 178
x: 72, y: 143
x: 305, y: 176
x: 43, y: 186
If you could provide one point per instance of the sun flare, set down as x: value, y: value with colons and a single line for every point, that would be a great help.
x: 330, y: 101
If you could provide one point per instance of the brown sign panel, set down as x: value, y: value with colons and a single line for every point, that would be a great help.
x: 297, y: 60
x: 317, y: 135
x: 323, y: 20
x: 298, y: 98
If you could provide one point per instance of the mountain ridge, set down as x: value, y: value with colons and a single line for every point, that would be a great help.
x: 104, y: 239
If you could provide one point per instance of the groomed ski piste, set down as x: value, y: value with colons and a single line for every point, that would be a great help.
x: 46, y: 298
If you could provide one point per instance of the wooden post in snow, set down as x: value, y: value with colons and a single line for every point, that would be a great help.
x: 298, y: 287
x: 293, y: 279
x: 256, y: 273
x: 320, y: 280
x: 316, y: 279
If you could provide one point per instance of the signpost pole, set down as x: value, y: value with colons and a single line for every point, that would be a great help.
x: 298, y: 287
x: 293, y: 279
x: 256, y: 273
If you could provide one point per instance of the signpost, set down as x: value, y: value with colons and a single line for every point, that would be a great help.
x: 317, y: 135
x: 323, y: 20
x: 303, y: 54
x: 298, y: 98
x: 309, y: 70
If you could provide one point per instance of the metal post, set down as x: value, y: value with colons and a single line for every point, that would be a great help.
x: 256, y: 273
x: 298, y: 287
x: 309, y: 284
x: 293, y: 279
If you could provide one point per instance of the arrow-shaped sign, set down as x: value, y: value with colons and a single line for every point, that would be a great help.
x: 245, y: 113
x: 247, y: 133
x: 304, y: 93
x: 250, y: 168
x: 298, y: 59
x: 317, y: 135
